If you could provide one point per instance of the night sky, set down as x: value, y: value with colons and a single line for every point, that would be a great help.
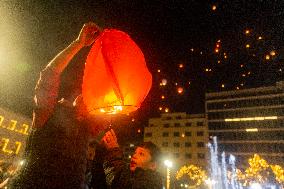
x: 190, y: 46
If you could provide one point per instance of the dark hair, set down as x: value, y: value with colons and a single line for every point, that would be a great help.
x: 154, y: 150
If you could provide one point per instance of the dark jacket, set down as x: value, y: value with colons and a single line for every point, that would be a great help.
x: 118, y: 174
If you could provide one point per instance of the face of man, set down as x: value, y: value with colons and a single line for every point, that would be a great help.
x: 141, y: 158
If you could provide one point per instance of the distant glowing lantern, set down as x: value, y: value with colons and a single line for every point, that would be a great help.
x: 116, y: 78
x: 267, y: 57
x: 162, y: 97
x: 214, y: 7
x: 180, y: 65
x: 180, y: 90
x: 272, y: 53
x: 247, y: 32
x: 166, y: 110
x: 164, y: 82
x: 247, y: 46
x: 158, y: 71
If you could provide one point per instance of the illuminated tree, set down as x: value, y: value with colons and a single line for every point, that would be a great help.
x: 279, y: 173
x: 193, y: 175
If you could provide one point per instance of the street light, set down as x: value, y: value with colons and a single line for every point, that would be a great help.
x: 168, y: 164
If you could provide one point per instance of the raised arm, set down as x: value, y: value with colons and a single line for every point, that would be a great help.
x: 46, y: 90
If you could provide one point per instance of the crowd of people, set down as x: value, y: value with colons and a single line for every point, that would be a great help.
x: 59, y: 153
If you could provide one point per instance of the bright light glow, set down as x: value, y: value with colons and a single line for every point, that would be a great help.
x: 259, y: 38
x: 162, y: 97
x: 247, y: 32
x: 164, y: 82
x: 255, y: 186
x: 251, y: 118
x: 247, y: 45
x: 166, y: 110
x: 180, y: 65
x: 214, y: 7
x: 22, y: 162
x: 102, y: 110
x: 216, y: 50
x: 168, y: 163
x: 267, y: 57
x: 252, y: 130
x: 180, y: 90
x: 223, y: 85
x: 160, y: 108
x: 159, y: 71
x: 272, y: 53
x: 131, y: 145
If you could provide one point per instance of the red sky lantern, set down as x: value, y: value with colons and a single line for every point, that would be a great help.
x: 116, y: 78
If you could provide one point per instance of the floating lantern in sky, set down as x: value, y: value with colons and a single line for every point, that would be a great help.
x: 116, y: 78
x: 164, y: 82
x: 247, y: 31
x: 272, y: 53
x: 180, y: 90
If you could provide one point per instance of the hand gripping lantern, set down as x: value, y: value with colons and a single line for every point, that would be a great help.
x: 116, y: 78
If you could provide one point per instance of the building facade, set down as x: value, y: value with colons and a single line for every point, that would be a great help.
x: 183, y: 138
x: 14, y: 129
x: 248, y: 121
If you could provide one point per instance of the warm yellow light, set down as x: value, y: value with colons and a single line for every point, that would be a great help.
x: 247, y: 46
x: 214, y: 7
x: 132, y: 119
x: 160, y: 108
x: 183, y: 135
x: 216, y: 50
x: 164, y: 82
x: 237, y: 88
x: 251, y: 118
x: 272, y: 53
x: 267, y: 57
x: 223, y: 85
x: 252, y: 130
x: 166, y: 110
x: 206, y: 69
x: 162, y: 97
x: 219, y: 61
x: 180, y: 65
x: 242, y: 65
x: 192, y: 49
x: 102, y: 110
x: 225, y: 56
x: 159, y: 71
x: 244, y: 75
x: 217, y: 45
x: 247, y: 32
x: 259, y: 38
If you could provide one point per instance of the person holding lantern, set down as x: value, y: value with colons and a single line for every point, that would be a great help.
x: 55, y: 156
x: 141, y: 173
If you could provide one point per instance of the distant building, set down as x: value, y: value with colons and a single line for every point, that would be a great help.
x: 14, y: 129
x: 182, y: 137
x: 248, y: 121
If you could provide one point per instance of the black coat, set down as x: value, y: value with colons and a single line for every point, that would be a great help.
x: 118, y: 174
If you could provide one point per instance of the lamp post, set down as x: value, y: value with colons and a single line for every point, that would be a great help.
x: 168, y: 164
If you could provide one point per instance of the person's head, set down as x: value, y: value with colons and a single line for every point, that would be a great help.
x: 146, y: 156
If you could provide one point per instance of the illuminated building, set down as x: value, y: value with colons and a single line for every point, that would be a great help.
x: 248, y: 121
x: 181, y: 136
x: 14, y: 129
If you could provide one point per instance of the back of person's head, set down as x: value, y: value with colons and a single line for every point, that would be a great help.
x: 154, y: 150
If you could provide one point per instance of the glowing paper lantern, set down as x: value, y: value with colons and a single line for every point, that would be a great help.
x: 116, y: 78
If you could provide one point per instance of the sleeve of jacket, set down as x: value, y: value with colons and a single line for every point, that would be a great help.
x: 113, y: 164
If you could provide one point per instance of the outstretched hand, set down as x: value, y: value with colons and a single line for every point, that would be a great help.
x: 110, y: 140
x: 88, y: 34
